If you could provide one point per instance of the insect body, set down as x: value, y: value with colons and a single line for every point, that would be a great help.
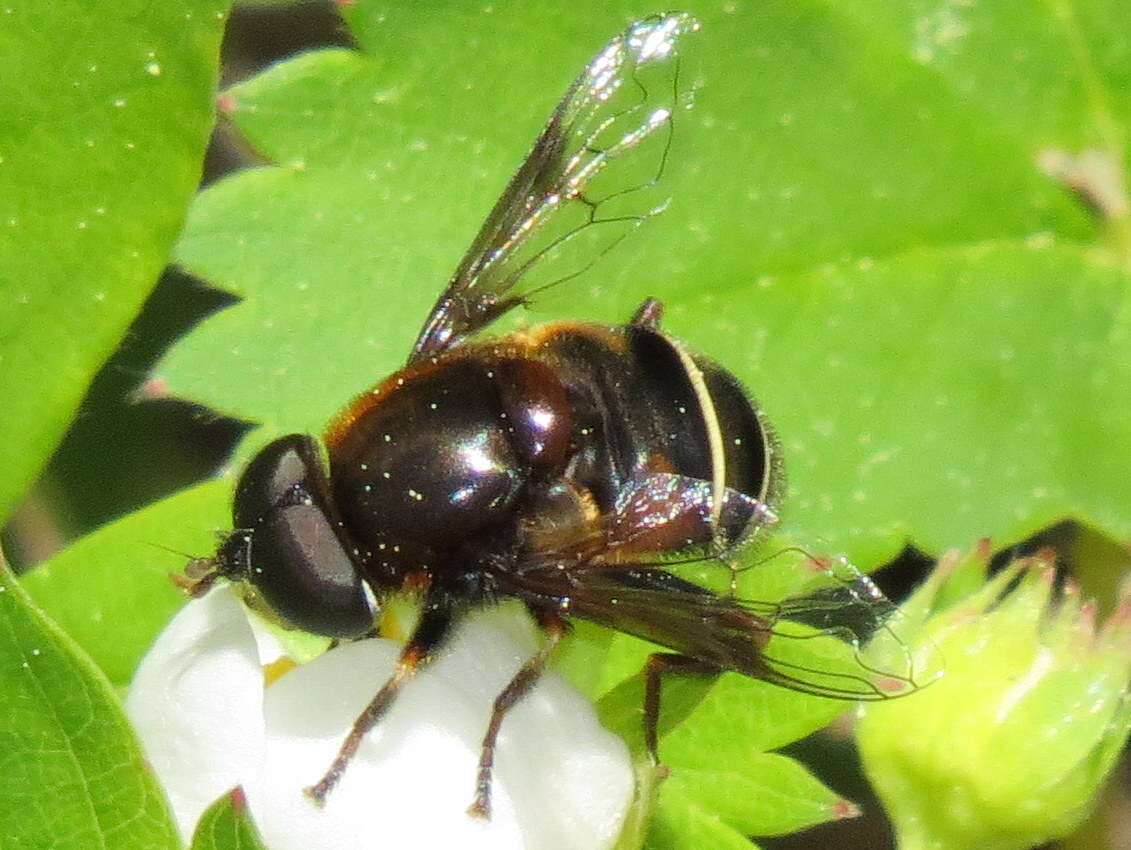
x: 568, y: 443
x: 557, y: 465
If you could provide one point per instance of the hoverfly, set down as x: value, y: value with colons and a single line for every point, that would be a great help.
x: 558, y: 465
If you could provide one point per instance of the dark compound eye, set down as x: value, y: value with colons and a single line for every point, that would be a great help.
x: 296, y: 557
x: 284, y: 472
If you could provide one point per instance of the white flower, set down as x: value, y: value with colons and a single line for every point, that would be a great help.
x: 208, y: 723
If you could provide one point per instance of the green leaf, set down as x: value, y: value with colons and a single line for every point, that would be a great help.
x: 73, y: 775
x: 226, y: 825
x: 691, y: 826
x: 107, y: 109
x: 111, y: 590
x: 714, y: 732
x: 769, y: 795
x: 741, y: 718
x: 714, y: 736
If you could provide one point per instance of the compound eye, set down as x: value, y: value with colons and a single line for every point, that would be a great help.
x: 294, y: 553
x: 286, y: 470
x: 299, y: 566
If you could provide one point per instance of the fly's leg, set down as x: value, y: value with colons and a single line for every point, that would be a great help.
x: 554, y: 629
x: 657, y: 665
x: 435, y: 623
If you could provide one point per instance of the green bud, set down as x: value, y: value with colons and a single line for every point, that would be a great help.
x: 1009, y: 748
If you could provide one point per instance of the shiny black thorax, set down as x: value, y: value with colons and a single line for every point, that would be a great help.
x: 568, y: 443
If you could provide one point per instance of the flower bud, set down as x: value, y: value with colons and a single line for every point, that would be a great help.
x: 1010, y: 747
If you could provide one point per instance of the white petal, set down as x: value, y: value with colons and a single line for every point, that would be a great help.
x: 561, y: 781
x: 267, y: 642
x: 197, y: 704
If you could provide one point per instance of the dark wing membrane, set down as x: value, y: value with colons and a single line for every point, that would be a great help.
x: 838, y: 642
x: 577, y: 181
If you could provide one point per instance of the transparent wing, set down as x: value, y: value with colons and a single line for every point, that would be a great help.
x: 841, y: 641
x: 584, y: 185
